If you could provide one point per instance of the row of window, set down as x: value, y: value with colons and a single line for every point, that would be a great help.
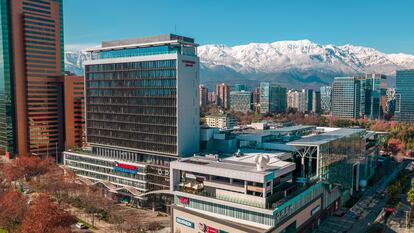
x: 133, y: 136
x: 137, y: 119
x: 132, y: 92
x: 159, y: 111
x: 162, y: 130
x: 118, y: 154
x: 131, y: 65
x: 118, y: 180
x: 132, y: 52
x: 132, y: 75
x: 133, y: 101
x: 109, y: 171
x: 127, y: 142
x: 150, y: 83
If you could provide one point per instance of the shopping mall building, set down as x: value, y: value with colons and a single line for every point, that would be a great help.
x: 261, y: 190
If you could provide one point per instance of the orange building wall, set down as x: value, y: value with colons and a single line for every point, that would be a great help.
x: 74, y: 111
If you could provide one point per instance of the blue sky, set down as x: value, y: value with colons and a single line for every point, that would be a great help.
x: 387, y: 25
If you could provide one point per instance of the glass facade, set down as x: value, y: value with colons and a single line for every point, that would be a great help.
x: 405, y: 96
x: 337, y: 159
x: 7, y: 114
x: 241, y: 101
x: 228, y: 211
x: 133, y: 105
x: 96, y: 168
x: 346, y: 97
x: 273, y: 98
x: 145, y: 51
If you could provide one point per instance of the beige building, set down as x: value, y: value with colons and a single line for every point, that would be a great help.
x: 224, y: 121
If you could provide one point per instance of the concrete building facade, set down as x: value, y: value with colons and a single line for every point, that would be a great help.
x: 142, y: 112
x: 223, y: 96
x: 74, y: 106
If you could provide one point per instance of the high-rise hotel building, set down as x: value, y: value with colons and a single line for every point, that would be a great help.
x: 142, y: 111
x: 31, y: 68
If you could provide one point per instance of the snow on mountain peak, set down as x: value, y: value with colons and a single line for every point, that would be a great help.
x: 298, y: 59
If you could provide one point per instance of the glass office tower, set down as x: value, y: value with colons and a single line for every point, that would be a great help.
x: 7, y: 114
x: 273, y: 98
x: 405, y: 96
x: 31, y: 116
x: 370, y: 104
x: 346, y: 97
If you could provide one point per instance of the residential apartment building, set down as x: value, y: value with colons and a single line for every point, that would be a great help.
x: 32, y: 66
x: 326, y: 99
x: 223, y: 96
x: 224, y: 121
x: 203, y: 97
x: 142, y: 112
x: 294, y: 99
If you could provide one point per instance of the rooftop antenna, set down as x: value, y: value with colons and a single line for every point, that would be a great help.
x: 175, y: 28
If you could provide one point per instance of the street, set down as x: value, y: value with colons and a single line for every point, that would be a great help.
x: 358, y: 218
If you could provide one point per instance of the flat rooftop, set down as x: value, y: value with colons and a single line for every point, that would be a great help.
x: 244, y: 163
x: 147, y: 39
x: 143, y: 42
x: 324, y: 138
x: 283, y: 130
x: 294, y: 128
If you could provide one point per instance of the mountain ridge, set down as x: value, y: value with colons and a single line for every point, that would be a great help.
x: 297, y: 63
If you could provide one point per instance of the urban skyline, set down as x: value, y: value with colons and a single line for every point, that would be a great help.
x: 158, y: 134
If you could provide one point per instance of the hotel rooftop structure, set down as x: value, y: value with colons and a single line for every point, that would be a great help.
x: 272, y: 190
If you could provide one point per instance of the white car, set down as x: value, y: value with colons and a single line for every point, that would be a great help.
x: 81, y: 225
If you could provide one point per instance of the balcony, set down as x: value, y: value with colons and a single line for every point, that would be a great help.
x: 212, y: 190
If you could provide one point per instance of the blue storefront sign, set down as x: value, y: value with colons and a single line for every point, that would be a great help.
x: 184, y: 222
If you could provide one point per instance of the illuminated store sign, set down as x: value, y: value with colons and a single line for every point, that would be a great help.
x: 208, y: 229
x: 184, y: 200
x: 125, y: 168
x: 184, y: 222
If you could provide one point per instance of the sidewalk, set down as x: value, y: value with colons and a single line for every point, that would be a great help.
x: 101, y: 226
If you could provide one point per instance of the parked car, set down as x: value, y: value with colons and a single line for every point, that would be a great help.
x: 80, y: 225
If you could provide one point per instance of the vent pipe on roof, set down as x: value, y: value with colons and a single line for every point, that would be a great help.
x: 261, y: 162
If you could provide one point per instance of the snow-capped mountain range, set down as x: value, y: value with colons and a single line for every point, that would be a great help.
x: 293, y: 63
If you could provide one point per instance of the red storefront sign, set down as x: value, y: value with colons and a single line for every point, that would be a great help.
x: 125, y: 166
x: 389, y: 209
x: 211, y: 230
x: 183, y: 200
